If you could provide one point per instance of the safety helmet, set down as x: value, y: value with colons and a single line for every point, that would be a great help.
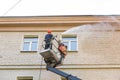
x: 49, y: 31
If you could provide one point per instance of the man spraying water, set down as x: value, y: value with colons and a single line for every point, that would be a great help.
x: 53, y: 54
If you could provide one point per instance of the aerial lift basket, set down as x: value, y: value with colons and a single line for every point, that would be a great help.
x: 51, y: 57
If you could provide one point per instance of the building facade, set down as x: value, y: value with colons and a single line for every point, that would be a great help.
x: 93, y: 47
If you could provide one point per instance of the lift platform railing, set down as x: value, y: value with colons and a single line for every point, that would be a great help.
x: 52, y: 56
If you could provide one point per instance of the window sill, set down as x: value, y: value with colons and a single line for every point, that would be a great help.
x: 72, y: 51
x: 28, y: 51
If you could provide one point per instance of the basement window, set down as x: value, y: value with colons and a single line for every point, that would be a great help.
x: 25, y: 78
x: 63, y: 78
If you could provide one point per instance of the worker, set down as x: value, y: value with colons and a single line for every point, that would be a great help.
x: 63, y: 52
x: 63, y: 49
x: 48, y: 39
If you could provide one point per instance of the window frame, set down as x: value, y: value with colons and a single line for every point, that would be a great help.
x: 30, y: 42
x: 69, y: 41
x: 24, y: 77
x: 63, y: 78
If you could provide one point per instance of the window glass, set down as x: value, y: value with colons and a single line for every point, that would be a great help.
x: 26, y: 46
x: 25, y: 78
x: 34, y: 46
x: 73, y: 45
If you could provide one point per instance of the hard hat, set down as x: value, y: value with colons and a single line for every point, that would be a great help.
x: 49, y: 31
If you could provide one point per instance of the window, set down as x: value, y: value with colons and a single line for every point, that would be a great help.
x: 25, y: 78
x: 71, y: 43
x: 30, y: 43
x: 63, y: 78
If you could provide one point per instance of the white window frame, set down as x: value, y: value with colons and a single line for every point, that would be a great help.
x: 30, y: 42
x: 69, y: 41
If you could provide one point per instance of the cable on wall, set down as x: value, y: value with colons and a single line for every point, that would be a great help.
x: 41, y: 46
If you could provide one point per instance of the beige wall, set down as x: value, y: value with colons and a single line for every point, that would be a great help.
x: 11, y: 50
x: 97, y: 57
